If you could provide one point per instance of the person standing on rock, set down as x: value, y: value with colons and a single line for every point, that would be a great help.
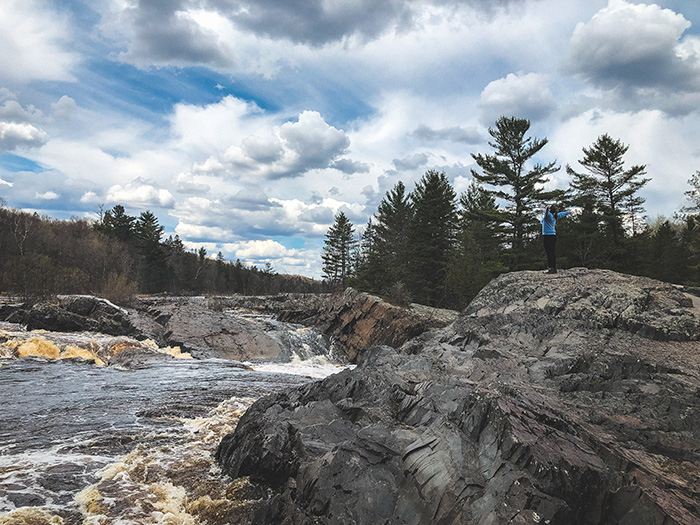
x: 549, y: 234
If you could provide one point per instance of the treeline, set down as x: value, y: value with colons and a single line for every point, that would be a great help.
x: 119, y: 256
x: 434, y: 247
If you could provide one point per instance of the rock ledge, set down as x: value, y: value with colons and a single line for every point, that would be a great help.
x: 567, y: 399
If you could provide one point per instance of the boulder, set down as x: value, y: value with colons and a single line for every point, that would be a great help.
x: 560, y: 399
x: 75, y: 313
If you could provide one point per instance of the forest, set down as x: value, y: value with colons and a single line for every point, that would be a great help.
x: 428, y: 245
x: 117, y: 257
x: 433, y: 247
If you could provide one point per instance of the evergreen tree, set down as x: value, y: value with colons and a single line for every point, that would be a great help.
x: 665, y: 256
x: 693, y: 194
x: 521, y: 188
x: 691, y: 231
x: 337, y: 250
x: 607, y: 185
x: 385, y: 242
x: 116, y: 223
x: 431, y: 238
x: 148, y: 234
x: 477, y: 258
x: 480, y: 214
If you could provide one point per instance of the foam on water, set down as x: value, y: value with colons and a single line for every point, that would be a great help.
x: 98, y: 348
x: 97, y: 445
x: 174, y: 484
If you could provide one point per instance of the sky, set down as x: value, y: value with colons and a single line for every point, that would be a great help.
x: 245, y: 126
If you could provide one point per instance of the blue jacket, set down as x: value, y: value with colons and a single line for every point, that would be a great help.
x: 549, y: 221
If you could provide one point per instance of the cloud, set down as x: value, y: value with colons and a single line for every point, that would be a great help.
x: 35, y: 43
x: 140, y: 195
x: 14, y: 135
x: 350, y: 167
x: 167, y: 33
x: 317, y: 22
x: 452, y: 134
x: 290, y: 151
x: 524, y: 95
x: 12, y: 111
x: 47, y: 196
x: 636, y: 52
x: 186, y: 183
x: 90, y: 197
x: 260, y: 252
x: 267, y: 249
x: 17, y: 125
x: 64, y: 108
x: 413, y: 162
x: 251, y: 215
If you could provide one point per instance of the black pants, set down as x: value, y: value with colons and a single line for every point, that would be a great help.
x: 550, y: 243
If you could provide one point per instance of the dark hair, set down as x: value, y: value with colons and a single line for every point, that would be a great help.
x: 553, y: 209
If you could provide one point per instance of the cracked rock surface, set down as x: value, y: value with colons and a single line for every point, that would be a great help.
x: 560, y: 399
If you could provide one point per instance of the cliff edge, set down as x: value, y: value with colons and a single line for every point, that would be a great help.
x: 558, y: 399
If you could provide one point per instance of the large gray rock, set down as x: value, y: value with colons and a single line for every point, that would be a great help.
x: 228, y: 327
x: 74, y: 313
x: 561, y: 399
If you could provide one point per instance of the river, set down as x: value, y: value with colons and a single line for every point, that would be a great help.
x: 90, y: 444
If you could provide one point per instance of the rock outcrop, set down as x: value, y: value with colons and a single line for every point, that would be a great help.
x: 352, y: 321
x: 73, y: 313
x: 358, y: 321
x: 239, y: 327
x: 553, y: 399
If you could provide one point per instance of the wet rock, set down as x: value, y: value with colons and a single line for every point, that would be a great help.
x: 79, y: 313
x: 358, y: 321
x: 135, y: 358
x: 205, y: 331
x: 562, y: 399
x: 234, y: 327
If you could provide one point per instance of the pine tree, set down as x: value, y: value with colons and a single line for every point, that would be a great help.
x: 148, y: 234
x: 431, y: 238
x: 116, y: 223
x: 337, y: 250
x: 477, y: 258
x: 693, y: 194
x: 521, y: 188
x: 610, y: 187
x: 385, y: 242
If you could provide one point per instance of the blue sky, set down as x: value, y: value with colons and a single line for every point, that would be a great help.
x: 245, y: 126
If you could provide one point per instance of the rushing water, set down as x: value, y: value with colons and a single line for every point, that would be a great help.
x: 82, y: 443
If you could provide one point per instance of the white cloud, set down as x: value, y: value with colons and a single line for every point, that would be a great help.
x: 64, y: 108
x: 14, y: 135
x: 187, y: 183
x: 140, y: 195
x: 47, y: 196
x: 35, y: 42
x: 469, y: 135
x: 636, y: 52
x: 90, y: 197
x: 291, y: 150
x: 267, y: 249
x: 524, y: 95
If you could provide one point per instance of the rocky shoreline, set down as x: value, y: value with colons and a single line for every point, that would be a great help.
x: 559, y: 399
x: 238, y: 328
